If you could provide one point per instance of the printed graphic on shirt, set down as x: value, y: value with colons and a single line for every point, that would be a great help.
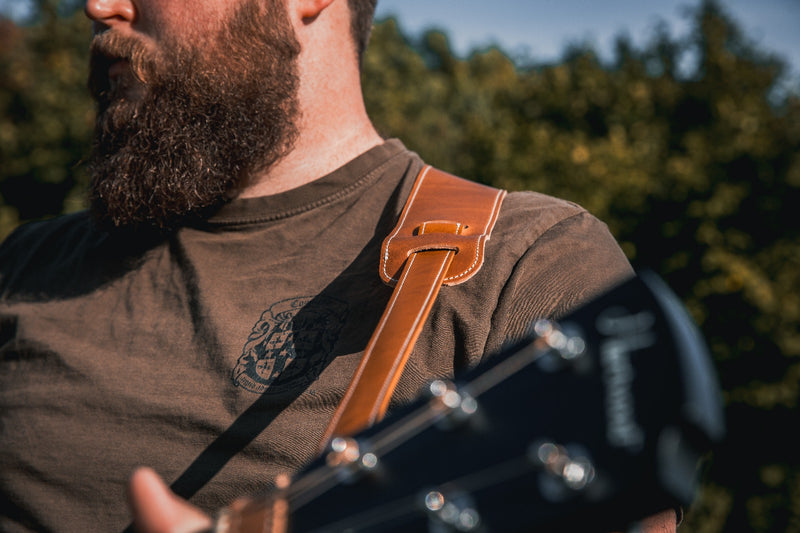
x: 290, y: 344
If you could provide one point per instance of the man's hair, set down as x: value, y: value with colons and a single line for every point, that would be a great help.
x: 361, y: 15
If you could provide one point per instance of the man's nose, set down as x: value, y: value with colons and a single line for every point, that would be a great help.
x: 111, y: 12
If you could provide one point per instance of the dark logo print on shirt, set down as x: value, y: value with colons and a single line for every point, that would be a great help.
x: 290, y: 344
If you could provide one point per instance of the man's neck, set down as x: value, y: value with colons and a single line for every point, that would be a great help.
x: 333, y: 126
x: 313, y: 156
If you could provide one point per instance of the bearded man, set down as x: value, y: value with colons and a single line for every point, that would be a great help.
x: 205, y: 316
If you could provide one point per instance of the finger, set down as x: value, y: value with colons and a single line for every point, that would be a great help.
x: 156, y: 509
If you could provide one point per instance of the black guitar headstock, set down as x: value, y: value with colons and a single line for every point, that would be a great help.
x: 588, y: 425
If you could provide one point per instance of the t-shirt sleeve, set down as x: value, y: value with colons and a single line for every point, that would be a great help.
x: 573, y: 261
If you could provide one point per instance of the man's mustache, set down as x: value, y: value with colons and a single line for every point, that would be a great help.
x: 108, y: 48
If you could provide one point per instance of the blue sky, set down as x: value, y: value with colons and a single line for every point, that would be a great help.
x: 542, y: 28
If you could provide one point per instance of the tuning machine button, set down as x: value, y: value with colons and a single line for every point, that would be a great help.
x: 457, y: 404
x: 565, y: 469
x: 349, y: 457
x: 564, y: 345
x: 450, y: 512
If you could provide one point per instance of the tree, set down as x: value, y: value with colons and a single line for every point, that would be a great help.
x: 694, y: 169
x: 46, y: 116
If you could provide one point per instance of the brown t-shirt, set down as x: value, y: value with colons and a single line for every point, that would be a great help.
x: 217, y: 354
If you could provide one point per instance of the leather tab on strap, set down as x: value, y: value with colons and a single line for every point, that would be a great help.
x: 441, y: 198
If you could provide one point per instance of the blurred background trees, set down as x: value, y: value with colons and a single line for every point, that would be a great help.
x: 687, y: 148
x: 46, y: 116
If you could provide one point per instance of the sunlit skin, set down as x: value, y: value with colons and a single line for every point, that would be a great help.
x: 333, y: 129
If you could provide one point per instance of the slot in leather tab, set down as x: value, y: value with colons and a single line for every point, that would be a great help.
x: 463, y: 220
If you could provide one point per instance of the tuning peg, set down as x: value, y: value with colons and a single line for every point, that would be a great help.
x: 565, y: 470
x: 457, y: 404
x: 562, y: 345
x: 451, y: 512
x: 347, y: 455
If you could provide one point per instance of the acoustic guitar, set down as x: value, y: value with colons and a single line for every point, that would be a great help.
x: 589, y: 424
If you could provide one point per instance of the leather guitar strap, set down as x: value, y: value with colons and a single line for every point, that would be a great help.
x: 439, y: 239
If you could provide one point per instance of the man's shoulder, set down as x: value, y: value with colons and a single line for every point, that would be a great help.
x: 58, y: 232
x: 533, y: 200
x: 36, y: 250
x: 553, y: 254
x: 527, y: 216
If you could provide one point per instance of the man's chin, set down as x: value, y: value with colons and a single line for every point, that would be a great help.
x: 116, y: 118
x: 128, y: 90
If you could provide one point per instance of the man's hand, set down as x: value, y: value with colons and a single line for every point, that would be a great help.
x: 156, y: 509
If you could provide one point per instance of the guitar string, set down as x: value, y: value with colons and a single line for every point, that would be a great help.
x: 323, y: 479
x: 394, y: 435
x: 314, y: 483
x: 470, y: 483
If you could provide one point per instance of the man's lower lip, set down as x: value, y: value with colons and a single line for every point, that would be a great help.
x: 118, y: 68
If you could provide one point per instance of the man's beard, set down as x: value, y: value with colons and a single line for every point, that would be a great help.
x: 205, y: 119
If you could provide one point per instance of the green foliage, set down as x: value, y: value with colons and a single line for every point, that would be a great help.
x: 694, y: 168
x: 46, y: 116
x: 685, y: 147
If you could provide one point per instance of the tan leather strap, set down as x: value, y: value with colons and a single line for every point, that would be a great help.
x: 439, y: 239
